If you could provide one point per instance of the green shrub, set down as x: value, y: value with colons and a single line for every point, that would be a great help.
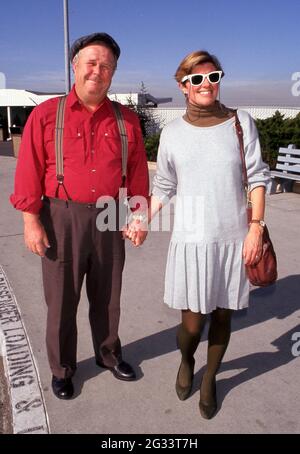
x: 151, y: 145
x: 275, y: 132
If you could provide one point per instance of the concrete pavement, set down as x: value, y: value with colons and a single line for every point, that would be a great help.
x: 258, y: 384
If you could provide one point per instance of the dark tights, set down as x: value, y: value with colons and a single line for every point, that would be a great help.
x: 188, y: 338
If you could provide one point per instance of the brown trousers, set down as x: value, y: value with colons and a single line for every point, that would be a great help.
x: 79, y: 249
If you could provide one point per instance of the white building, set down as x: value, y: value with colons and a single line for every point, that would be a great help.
x: 138, y: 99
x: 16, y: 105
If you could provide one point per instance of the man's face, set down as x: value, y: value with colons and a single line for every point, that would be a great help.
x: 93, y: 71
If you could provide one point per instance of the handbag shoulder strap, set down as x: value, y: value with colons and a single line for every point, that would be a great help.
x: 239, y: 131
x: 124, y: 138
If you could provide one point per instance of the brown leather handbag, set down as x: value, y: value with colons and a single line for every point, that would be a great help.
x: 264, y: 272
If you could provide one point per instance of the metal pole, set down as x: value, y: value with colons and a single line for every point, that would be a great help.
x: 9, y: 120
x: 66, y: 33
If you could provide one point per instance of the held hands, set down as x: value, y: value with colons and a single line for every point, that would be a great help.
x: 136, y: 230
x: 252, y: 249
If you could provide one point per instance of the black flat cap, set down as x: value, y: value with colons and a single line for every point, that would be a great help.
x: 104, y: 38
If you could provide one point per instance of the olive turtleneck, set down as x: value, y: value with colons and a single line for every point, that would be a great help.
x: 207, y: 116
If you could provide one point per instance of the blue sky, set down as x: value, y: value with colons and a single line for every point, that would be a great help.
x: 257, y: 42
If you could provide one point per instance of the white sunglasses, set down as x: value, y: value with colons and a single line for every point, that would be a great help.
x: 197, y: 79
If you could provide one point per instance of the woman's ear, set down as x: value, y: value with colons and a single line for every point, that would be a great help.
x: 183, y: 88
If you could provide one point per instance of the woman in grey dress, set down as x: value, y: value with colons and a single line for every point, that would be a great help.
x: 199, y: 162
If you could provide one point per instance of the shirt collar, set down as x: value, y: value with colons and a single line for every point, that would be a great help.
x: 74, y: 101
x: 73, y: 98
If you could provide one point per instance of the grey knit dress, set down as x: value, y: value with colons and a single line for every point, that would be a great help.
x: 201, y: 166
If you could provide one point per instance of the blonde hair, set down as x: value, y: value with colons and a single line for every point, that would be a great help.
x: 196, y: 58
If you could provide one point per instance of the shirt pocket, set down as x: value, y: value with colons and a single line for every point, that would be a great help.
x: 112, y: 139
x: 73, y: 147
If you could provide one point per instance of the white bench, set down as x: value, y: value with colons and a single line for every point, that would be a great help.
x: 287, y: 169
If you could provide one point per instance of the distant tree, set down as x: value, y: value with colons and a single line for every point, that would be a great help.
x: 149, y: 124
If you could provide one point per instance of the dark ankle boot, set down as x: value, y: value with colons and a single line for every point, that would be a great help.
x: 208, y: 407
x: 183, y: 392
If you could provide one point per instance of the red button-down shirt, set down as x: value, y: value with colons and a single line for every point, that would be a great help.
x: 92, y: 155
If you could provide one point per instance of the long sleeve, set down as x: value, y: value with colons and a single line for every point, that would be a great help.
x: 257, y: 170
x: 138, y: 175
x: 30, y: 167
x: 165, y: 179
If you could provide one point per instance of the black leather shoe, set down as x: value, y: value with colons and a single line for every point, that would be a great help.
x: 208, y: 409
x: 62, y: 387
x: 122, y: 370
x: 183, y: 392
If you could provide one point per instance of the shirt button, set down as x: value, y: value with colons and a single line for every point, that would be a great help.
x: 78, y: 134
x: 93, y: 151
x: 93, y: 170
x: 93, y: 190
x: 106, y: 134
x: 93, y: 133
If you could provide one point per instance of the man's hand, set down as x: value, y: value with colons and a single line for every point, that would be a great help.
x: 35, y: 236
x: 136, y: 231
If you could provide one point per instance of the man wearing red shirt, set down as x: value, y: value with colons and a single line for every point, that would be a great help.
x: 60, y: 220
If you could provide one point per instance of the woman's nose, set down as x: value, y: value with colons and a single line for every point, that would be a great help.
x: 206, y: 82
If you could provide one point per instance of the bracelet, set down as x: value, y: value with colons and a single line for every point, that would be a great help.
x: 138, y: 217
x: 258, y: 221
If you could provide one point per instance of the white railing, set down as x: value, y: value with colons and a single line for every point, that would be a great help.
x: 164, y: 115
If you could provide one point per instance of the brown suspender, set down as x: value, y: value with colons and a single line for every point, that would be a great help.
x: 59, y: 141
x: 59, y: 137
x: 124, y: 139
